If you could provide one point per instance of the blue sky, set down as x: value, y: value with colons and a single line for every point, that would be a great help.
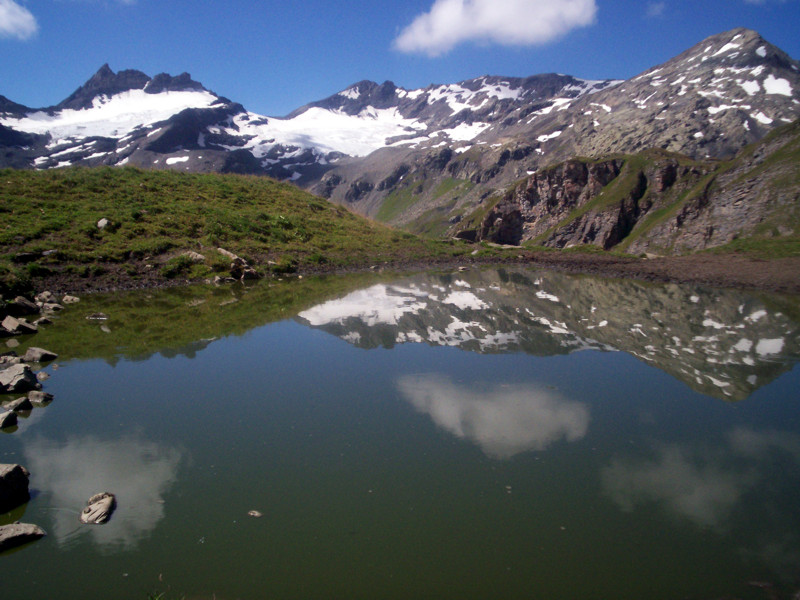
x: 276, y: 56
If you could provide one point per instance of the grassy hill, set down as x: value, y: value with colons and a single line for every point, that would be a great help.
x: 49, y: 227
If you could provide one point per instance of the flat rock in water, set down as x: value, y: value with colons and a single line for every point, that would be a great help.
x: 99, y: 508
x: 20, y: 404
x: 70, y: 299
x: 38, y: 355
x: 13, y: 486
x: 40, y: 398
x: 18, y: 534
x: 18, y: 378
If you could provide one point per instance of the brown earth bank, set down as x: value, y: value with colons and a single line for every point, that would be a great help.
x: 728, y: 271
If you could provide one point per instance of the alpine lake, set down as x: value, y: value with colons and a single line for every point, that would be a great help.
x: 495, y: 433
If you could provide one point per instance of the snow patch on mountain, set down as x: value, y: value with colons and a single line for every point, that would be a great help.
x: 324, y: 130
x: 113, y: 117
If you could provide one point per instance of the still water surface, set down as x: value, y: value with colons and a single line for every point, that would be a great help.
x: 488, y: 434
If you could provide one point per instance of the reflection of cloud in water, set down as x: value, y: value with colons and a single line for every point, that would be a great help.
x: 138, y: 472
x: 703, y: 486
x: 503, y: 422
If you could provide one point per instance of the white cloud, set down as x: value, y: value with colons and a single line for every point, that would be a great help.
x: 656, y: 9
x: 503, y: 422
x: 507, y: 22
x: 16, y: 21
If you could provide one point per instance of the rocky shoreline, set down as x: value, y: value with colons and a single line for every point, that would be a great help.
x: 716, y: 270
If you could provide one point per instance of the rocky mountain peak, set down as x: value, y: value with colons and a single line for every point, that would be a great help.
x: 104, y: 83
x: 163, y: 82
x: 11, y: 108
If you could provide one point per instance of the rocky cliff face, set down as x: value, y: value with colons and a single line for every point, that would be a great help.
x: 654, y: 201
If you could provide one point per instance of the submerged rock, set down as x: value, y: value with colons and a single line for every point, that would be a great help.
x: 13, y: 486
x: 18, y: 534
x: 99, y: 508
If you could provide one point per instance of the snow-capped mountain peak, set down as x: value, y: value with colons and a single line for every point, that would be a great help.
x: 711, y: 100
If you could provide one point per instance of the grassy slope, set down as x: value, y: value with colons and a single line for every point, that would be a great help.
x: 156, y: 215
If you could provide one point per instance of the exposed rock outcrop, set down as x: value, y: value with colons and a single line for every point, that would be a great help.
x: 654, y: 201
x: 18, y: 378
x: 14, y: 481
x: 18, y: 534
x: 98, y: 508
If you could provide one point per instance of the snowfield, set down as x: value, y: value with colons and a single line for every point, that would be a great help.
x: 112, y: 117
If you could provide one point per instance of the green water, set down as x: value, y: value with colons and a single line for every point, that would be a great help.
x: 474, y: 435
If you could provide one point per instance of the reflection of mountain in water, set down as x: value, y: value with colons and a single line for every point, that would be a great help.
x: 722, y: 343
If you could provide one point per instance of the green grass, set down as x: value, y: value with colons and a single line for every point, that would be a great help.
x: 156, y: 215
x: 403, y: 198
x: 396, y: 203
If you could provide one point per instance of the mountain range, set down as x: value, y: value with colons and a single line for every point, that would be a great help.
x: 424, y: 159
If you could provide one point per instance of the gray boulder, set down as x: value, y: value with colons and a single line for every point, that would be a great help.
x: 195, y: 257
x: 7, y: 360
x: 99, y: 508
x: 21, y: 307
x: 68, y: 299
x: 38, y: 355
x: 19, y: 405
x: 17, y: 326
x: 7, y: 419
x: 13, y: 486
x: 18, y: 378
x: 18, y: 534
